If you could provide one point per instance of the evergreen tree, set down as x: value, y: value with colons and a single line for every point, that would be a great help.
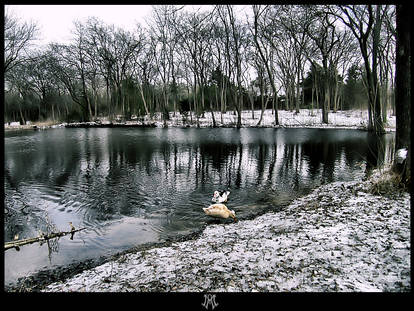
x: 354, y: 93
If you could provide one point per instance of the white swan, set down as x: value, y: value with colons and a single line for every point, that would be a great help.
x: 220, y: 210
x: 220, y: 196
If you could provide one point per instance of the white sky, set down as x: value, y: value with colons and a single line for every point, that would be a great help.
x: 56, y: 21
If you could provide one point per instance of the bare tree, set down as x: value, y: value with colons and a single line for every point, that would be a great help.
x: 365, y: 22
x: 261, y: 83
x: 322, y: 31
x: 238, y: 42
x: 142, y: 60
x: 292, y: 21
x: 78, y: 57
x: 17, y: 39
x: 66, y: 69
x: 207, y: 56
x: 99, y: 43
x: 42, y: 81
x: 265, y: 54
x: 345, y: 53
x: 387, y: 60
x: 19, y: 78
x: 222, y: 68
x: 195, y: 34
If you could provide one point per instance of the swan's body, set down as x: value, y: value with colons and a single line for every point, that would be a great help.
x: 219, y: 210
x: 220, y: 196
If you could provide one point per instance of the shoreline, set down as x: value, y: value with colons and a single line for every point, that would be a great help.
x: 339, y: 238
x: 353, y: 119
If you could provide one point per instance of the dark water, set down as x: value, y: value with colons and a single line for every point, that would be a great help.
x: 132, y: 186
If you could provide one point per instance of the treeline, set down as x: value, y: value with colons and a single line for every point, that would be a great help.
x: 325, y: 57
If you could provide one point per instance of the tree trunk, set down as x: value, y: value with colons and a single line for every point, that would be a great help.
x: 143, y: 98
x: 325, y: 106
x: 264, y: 103
x: 222, y: 101
x: 326, y: 100
x: 336, y: 94
x: 369, y: 87
x: 22, y: 119
x: 385, y: 102
x: 275, y: 104
x: 317, y: 91
x: 251, y: 103
x: 297, y: 88
x: 214, y: 120
x: 313, y: 91
x: 237, y: 106
x: 403, y: 91
x: 378, y: 124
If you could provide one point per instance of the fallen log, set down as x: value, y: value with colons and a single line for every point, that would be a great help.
x: 40, y: 238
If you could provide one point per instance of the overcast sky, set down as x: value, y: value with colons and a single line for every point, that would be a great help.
x: 56, y: 21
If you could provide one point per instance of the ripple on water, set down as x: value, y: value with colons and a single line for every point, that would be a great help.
x: 131, y: 186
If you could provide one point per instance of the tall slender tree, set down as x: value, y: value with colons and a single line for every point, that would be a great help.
x: 262, y: 51
x: 365, y: 22
x: 403, y: 92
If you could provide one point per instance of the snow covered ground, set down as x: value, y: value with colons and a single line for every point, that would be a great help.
x: 338, y: 238
x: 305, y: 118
x: 356, y: 119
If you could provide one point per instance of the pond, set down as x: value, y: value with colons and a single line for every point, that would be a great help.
x: 130, y: 186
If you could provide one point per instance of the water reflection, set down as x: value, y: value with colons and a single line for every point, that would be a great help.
x: 131, y: 186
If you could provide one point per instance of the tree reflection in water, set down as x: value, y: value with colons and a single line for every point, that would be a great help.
x: 130, y: 186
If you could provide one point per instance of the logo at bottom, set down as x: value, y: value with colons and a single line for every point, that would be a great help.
x: 209, y: 300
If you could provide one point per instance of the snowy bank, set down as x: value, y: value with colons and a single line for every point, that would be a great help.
x: 351, y: 119
x: 338, y: 238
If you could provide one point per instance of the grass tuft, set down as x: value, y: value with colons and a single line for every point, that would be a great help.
x: 388, y: 182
